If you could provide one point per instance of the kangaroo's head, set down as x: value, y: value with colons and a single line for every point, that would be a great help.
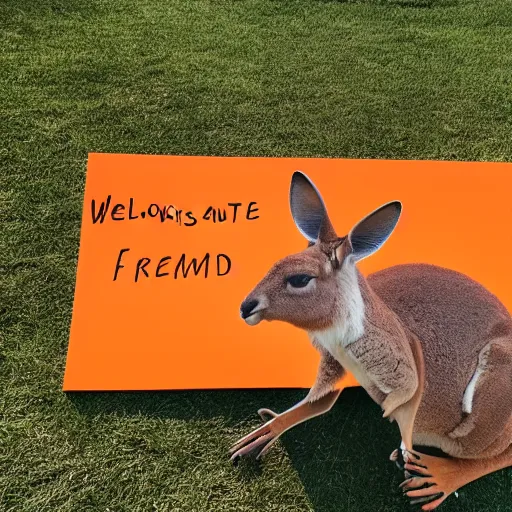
x: 312, y: 288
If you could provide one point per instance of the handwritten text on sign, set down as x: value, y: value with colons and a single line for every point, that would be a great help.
x: 165, y: 266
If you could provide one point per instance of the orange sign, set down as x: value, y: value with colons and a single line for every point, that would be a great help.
x: 171, y: 245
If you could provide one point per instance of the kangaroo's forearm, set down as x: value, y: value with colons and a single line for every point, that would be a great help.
x: 306, y: 410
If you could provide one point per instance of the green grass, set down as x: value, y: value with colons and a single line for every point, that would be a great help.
x: 408, y: 79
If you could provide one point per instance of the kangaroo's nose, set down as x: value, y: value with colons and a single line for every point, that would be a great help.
x: 247, y: 308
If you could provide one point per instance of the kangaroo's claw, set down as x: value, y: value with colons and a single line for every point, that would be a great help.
x: 430, y: 480
x: 398, y: 458
x: 259, y: 440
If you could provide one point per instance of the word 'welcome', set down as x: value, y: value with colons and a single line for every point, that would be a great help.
x: 231, y: 212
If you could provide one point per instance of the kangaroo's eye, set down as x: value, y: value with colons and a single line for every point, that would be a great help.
x: 299, y: 280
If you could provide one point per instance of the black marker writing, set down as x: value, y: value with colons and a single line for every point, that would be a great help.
x: 185, y: 267
x: 118, y: 264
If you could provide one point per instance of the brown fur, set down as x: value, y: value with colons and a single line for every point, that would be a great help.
x: 413, y: 335
x: 454, y: 318
x: 329, y: 373
x: 385, y: 352
x: 305, y: 311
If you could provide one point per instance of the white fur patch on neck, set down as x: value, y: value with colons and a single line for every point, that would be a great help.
x: 348, y: 325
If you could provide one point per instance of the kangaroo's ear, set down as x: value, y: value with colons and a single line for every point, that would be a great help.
x: 308, y: 209
x: 369, y: 234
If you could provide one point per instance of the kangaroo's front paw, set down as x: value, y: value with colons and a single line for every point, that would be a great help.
x: 259, y: 441
x: 394, y: 400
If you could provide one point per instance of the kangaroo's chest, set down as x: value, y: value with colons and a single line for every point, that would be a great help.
x: 332, y: 341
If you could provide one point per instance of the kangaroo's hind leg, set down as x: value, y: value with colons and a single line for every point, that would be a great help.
x: 482, y: 440
x: 487, y: 403
x: 440, y: 477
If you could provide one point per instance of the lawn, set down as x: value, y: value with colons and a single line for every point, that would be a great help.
x: 406, y: 79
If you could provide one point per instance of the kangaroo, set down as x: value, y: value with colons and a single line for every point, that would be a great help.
x: 430, y: 345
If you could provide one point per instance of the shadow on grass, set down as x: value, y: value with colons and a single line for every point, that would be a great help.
x: 232, y: 405
x: 342, y: 457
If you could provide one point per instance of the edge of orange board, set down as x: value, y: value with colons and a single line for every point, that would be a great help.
x: 148, y: 335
